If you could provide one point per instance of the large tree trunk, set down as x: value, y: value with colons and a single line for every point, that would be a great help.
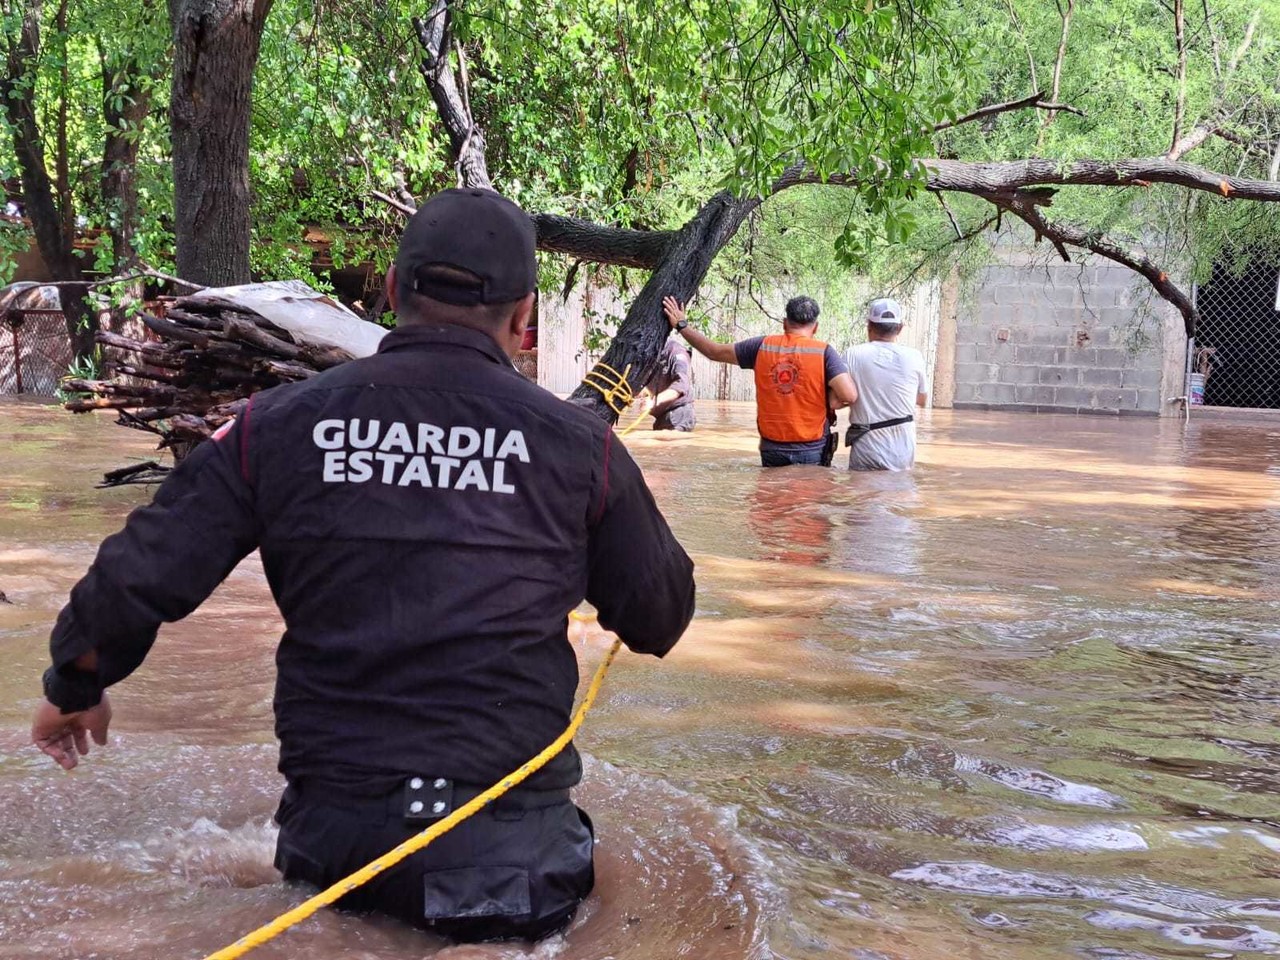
x: 52, y: 225
x: 640, y: 339
x: 679, y: 260
x: 216, y: 46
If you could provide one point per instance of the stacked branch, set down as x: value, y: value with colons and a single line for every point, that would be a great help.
x: 211, y: 356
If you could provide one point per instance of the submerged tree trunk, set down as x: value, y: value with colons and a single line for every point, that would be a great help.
x: 216, y: 44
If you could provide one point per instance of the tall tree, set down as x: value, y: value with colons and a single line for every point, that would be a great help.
x: 44, y: 72
x: 215, y: 51
x: 48, y: 205
x: 771, y: 91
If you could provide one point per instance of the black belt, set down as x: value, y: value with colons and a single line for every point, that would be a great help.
x: 857, y: 431
x: 425, y: 798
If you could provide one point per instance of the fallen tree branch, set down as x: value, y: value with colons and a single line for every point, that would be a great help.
x: 602, y: 244
x: 959, y: 176
x: 144, y: 473
x: 393, y: 202
x: 465, y: 136
x: 585, y: 240
x: 964, y: 177
x: 147, y: 272
x: 1034, y: 100
x: 138, y: 274
x: 1061, y: 235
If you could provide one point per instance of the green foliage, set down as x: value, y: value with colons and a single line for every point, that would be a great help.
x: 597, y: 332
x: 117, y: 38
x: 635, y: 113
x: 88, y: 367
x: 1120, y: 69
x: 14, y: 240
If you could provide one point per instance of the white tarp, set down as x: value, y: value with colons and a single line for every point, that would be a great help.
x: 310, y: 316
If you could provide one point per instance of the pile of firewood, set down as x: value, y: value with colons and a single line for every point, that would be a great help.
x: 211, y: 354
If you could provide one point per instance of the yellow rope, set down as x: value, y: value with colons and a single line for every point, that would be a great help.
x: 615, y: 389
x: 633, y: 424
x: 299, y: 913
x: 611, y: 384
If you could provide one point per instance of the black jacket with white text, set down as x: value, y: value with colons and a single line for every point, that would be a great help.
x: 426, y: 518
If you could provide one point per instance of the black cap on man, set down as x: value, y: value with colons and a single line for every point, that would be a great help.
x: 468, y: 247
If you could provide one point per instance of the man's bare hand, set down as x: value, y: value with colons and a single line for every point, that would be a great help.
x: 65, y: 736
x: 673, y: 309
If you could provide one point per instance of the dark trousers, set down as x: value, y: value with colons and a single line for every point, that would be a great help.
x: 516, y: 870
x: 682, y: 418
x: 787, y: 458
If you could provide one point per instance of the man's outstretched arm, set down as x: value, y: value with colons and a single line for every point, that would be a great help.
x: 169, y: 557
x: 719, y: 352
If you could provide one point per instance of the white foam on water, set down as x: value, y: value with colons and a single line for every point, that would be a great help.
x: 1231, y: 936
x: 1040, y: 784
x: 207, y: 854
x: 1257, y: 908
x: 1268, y: 841
x: 1201, y: 836
x: 1188, y: 916
x: 1085, y: 838
x: 983, y: 878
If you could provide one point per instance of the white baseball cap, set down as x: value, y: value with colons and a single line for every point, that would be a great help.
x: 885, y: 310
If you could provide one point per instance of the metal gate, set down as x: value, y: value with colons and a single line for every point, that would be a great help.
x: 35, y: 352
x: 1237, y: 345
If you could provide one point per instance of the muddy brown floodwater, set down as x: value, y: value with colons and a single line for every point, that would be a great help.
x: 1020, y: 703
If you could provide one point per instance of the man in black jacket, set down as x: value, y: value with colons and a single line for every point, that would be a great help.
x: 427, y: 518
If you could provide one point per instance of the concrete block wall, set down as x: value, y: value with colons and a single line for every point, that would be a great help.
x: 1062, y: 338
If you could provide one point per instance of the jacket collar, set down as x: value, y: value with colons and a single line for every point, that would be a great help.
x: 429, y: 336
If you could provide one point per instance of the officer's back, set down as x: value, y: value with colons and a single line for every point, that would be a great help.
x: 426, y: 516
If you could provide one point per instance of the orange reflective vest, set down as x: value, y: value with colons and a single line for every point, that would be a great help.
x: 791, y: 389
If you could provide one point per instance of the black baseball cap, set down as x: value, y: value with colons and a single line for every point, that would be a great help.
x: 467, y: 247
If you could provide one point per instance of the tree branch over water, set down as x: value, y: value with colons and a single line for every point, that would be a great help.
x: 1035, y: 100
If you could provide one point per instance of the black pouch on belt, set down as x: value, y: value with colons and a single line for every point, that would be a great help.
x: 855, y: 433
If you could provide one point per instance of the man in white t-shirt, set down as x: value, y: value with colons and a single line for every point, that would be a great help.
x: 891, y: 383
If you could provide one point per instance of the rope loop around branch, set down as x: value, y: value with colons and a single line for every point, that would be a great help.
x: 611, y: 385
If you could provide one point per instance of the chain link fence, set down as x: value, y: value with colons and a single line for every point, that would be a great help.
x: 35, y: 352
x: 1237, y: 345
